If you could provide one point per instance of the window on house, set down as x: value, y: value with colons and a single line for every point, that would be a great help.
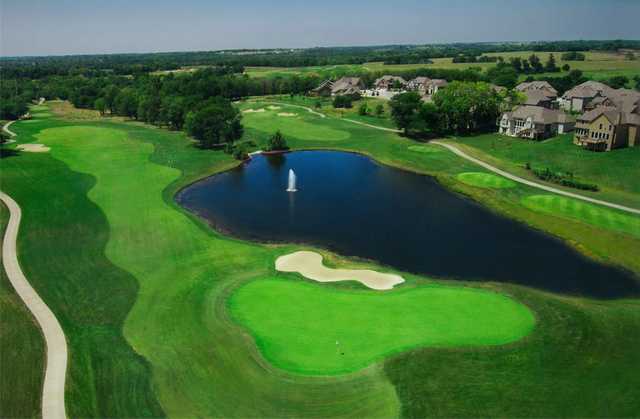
x: 600, y: 126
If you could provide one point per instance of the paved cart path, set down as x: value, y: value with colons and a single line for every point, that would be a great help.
x: 56, y: 362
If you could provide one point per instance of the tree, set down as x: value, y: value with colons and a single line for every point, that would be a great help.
x: 617, y: 82
x: 466, y: 106
x: 550, y: 65
x: 100, y: 105
x: 404, y: 110
x: 277, y: 142
x: 216, y: 123
x: 526, y: 67
x: 342, y: 101
x: 637, y: 80
x: 379, y: 110
x: 516, y: 63
x: 363, y: 109
x: 127, y: 103
x: 503, y: 75
x: 536, y: 65
x: 173, y: 110
x: 566, y: 67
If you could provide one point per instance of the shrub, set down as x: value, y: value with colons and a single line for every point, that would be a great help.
x: 277, y: 142
x: 343, y: 102
x: 363, y: 109
x: 564, y: 179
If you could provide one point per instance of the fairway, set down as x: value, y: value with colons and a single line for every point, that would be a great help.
x: 320, y: 330
x: 485, y: 180
x: 269, y: 121
x: 592, y: 214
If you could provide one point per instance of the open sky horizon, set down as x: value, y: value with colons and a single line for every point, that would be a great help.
x: 67, y: 27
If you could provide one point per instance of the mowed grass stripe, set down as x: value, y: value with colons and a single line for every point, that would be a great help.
x: 485, y: 180
x: 592, y: 214
x: 317, y: 329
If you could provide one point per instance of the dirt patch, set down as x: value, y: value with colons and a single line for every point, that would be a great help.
x: 309, y: 265
x: 273, y: 107
x: 286, y: 114
x: 253, y: 110
x: 33, y: 148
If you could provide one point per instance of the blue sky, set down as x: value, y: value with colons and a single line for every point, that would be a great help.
x: 43, y: 27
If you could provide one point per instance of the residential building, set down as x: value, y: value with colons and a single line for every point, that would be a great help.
x: 538, y: 86
x: 390, y: 83
x: 347, y: 86
x: 419, y: 84
x: 535, y: 122
x: 586, y: 96
x: 539, y: 98
x: 434, y: 85
x: 613, y: 125
x: 324, y: 89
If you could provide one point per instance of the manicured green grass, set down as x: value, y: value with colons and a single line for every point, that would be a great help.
x: 485, y: 180
x: 112, y: 253
x: 592, y: 214
x: 426, y: 149
x: 21, y: 349
x: 615, y: 172
x: 269, y: 122
x: 320, y: 330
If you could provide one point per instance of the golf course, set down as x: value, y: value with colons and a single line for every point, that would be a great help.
x: 166, y: 316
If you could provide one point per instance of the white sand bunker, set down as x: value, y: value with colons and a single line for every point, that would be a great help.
x: 273, y: 107
x: 286, y: 114
x: 33, y: 148
x: 253, y: 110
x: 309, y: 265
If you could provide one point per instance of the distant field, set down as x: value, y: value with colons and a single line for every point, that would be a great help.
x: 598, y: 65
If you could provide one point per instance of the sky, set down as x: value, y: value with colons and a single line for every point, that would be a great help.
x: 59, y: 27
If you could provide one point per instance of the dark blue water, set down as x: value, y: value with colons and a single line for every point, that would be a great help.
x: 353, y: 206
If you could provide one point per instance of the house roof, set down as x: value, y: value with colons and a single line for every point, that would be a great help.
x: 540, y: 85
x: 589, y: 89
x: 619, y: 106
x: 540, y: 115
x: 439, y: 82
x: 390, y: 79
x: 324, y: 84
x: 351, y: 84
x: 536, y: 97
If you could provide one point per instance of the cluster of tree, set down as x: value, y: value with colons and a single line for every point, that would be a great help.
x: 475, y: 59
x: 461, y: 107
x: 533, y: 65
x: 236, y: 60
x: 343, y: 101
x: 573, y: 56
x: 564, y: 179
x: 277, y: 142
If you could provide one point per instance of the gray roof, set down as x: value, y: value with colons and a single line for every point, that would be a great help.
x: 540, y: 115
x: 588, y: 89
x: 349, y: 84
x: 538, y: 85
x: 439, y: 82
x: 536, y: 97
x: 619, y: 106
x: 390, y: 79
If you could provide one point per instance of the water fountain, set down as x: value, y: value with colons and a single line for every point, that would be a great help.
x: 292, y: 181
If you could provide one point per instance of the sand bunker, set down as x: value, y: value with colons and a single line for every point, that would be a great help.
x: 309, y: 265
x: 286, y: 114
x: 33, y: 148
x: 273, y: 107
x: 253, y: 110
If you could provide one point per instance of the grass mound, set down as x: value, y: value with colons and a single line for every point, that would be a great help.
x: 485, y: 180
x: 591, y: 214
x: 321, y: 330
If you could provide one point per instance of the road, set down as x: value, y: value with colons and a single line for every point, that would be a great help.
x: 53, y: 406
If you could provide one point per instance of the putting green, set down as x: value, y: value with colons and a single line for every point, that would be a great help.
x: 592, y: 214
x: 485, y: 180
x: 320, y: 330
x: 297, y: 127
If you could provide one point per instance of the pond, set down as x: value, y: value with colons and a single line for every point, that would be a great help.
x: 351, y: 205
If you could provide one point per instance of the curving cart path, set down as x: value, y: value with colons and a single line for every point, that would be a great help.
x: 518, y: 179
x: 53, y: 406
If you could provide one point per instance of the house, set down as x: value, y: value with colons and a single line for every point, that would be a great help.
x: 535, y: 122
x: 613, y: 125
x: 324, y: 89
x: 347, y: 86
x: 538, y: 98
x: 586, y: 96
x: 538, y: 86
x: 419, y: 84
x: 434, y: 85
x: 390, y: 83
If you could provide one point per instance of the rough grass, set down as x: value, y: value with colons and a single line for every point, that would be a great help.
x: 485, y: 180
x: 321, y: 330
x: 21, y: 349
x: 592, y: 214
